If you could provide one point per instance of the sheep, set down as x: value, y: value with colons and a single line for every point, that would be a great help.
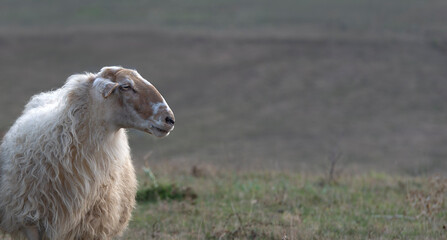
x: 65, y: 164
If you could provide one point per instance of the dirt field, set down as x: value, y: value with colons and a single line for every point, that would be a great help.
x: 276, y: 89
x: 264, y: 101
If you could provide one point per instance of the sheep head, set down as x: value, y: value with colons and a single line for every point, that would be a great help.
x: 133, y: 102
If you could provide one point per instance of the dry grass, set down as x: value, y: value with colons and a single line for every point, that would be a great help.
x: 429, y: 201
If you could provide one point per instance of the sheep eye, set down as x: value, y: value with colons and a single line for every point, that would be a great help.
x: 125, y: 87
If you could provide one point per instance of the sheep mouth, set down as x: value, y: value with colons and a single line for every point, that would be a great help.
x: 160, y: 129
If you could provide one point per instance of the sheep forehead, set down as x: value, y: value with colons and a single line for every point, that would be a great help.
x: 133, y: 75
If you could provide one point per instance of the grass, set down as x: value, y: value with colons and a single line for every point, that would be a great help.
x: 211, y: 204
x: 274, y: 205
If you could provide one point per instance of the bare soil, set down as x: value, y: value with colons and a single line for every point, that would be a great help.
x: 277, y: 100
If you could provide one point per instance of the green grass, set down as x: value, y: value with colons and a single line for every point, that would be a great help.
x: 275, y: 205
x: 271, y: 205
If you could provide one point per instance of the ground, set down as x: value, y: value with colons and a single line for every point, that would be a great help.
x: 274, y: 205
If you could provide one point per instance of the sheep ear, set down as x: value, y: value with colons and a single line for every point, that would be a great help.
x: 105, y: 81
x: 105, y: 86
x: 108, y: 89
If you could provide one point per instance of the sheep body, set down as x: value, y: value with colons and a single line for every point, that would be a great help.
x: 63, y: 170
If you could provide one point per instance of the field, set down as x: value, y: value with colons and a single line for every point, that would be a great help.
x: 279, y: 86
x: 267, y: 95
x: 274, y: 205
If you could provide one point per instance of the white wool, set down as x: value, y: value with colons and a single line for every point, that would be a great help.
x: 62, y: 167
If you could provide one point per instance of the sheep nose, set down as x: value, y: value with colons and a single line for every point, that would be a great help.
x: 169, y: 120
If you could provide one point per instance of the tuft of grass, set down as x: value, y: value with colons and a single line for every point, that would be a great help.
x: 152, y: 191
x: 165, y: 192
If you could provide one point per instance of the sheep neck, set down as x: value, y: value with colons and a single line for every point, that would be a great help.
x: 97, y: 146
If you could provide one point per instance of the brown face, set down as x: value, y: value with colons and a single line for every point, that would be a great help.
x: 139, y: 103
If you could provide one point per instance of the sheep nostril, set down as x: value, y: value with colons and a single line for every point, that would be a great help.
x: 169, y: 120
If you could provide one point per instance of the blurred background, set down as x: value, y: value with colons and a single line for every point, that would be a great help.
x: 255, y: 84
